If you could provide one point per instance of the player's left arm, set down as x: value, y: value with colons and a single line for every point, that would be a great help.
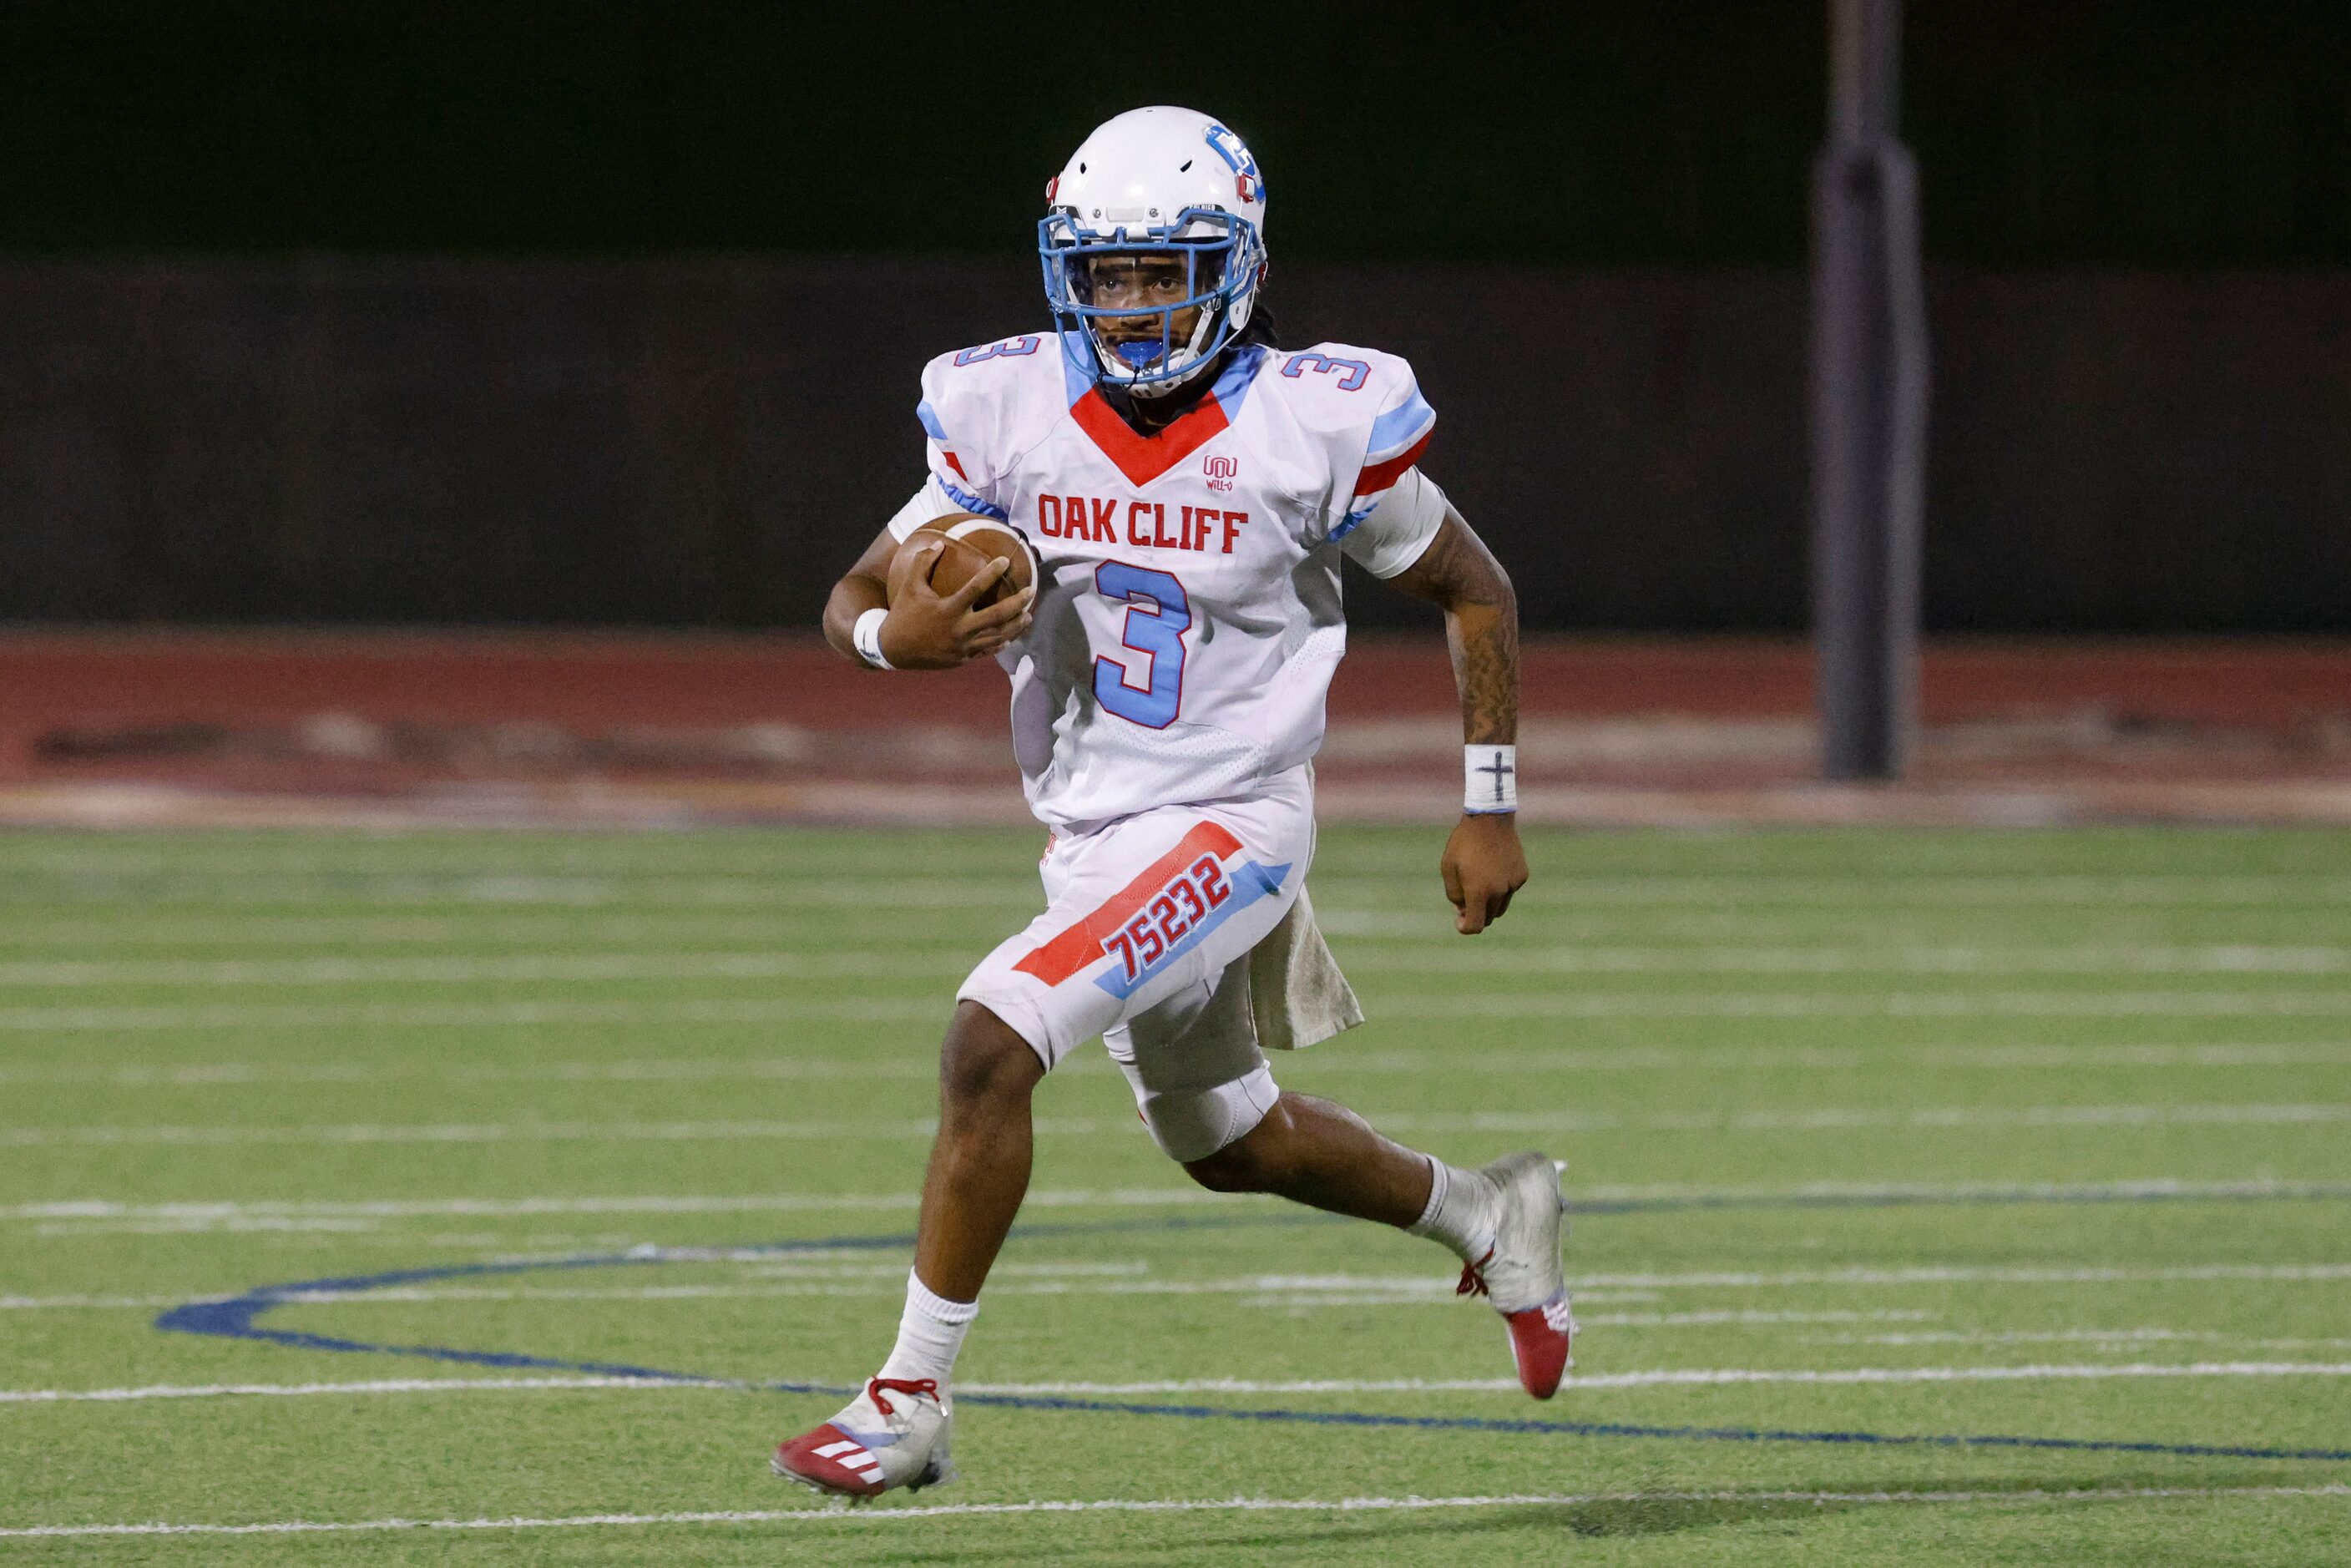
x: 1484, y: 864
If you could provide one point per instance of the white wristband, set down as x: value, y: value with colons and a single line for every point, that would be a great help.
x: 1490, y: 780
x: 866, y: 638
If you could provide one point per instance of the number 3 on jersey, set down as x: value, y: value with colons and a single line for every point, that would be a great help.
x: 1158, y: 613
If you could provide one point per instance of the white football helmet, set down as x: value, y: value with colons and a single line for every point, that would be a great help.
x: 1154, y: 182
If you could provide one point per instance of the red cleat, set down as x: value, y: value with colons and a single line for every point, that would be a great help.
x: 1542, y: 1342
x: 877, y: 1443
x: 1520, y: 1272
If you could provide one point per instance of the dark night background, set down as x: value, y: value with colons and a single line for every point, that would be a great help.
x: 610, y: 314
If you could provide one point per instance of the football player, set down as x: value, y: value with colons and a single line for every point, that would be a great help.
x: 1188, y: 488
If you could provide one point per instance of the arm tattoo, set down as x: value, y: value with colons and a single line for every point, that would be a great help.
x: 1460, y: 576
x: 1486, y: 668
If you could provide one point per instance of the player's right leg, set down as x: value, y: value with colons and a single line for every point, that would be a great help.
x: 896, y: 1432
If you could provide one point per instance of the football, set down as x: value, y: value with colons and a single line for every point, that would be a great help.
x: 971, y: 543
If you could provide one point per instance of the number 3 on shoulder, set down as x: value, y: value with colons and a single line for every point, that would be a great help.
x: 1010, y: 348
x: 1352, y: 374
x: 1158, y: 613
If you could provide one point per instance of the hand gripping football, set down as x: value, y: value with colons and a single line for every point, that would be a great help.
x: 972, y: 544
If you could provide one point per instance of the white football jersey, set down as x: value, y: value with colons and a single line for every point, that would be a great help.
x: 1188, y: 618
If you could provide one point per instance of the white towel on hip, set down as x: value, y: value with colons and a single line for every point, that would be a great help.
x: 1296, y: 994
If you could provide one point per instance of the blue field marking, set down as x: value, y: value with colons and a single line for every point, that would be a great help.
x: 234, y: 1318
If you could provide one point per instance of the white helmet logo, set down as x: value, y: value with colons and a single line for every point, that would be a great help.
x: 1248, y: 184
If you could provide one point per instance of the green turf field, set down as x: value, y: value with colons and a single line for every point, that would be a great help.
x: 1919, y: 1136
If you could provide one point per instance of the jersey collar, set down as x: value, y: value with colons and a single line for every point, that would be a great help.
x: 1143, y: 458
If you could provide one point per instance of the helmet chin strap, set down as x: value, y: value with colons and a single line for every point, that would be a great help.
x: 1153, y: 391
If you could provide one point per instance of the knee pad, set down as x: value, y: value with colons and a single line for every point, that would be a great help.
x: 1192, y: 1123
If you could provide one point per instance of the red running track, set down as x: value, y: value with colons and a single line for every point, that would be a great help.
x: 335, y: 714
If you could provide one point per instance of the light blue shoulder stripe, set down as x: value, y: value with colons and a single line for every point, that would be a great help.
x: 1077, y: 361
x: 1400, y: 427
x: 930, y: 418
x: 1233, y: 383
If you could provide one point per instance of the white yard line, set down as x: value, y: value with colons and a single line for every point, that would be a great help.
x: 1318, y: 1290
x: 1377, y: 1289
x: 101, y: 1303
x: 1674, y: 1377
x: 2037, y: 1336
x: 1008, y: 1280
x: 1685, y: 1060
x: 804, y: 1277
x: 223, y: 1210
x: 1285, y: 1290
x: 781, y: 890
x: 918, y: 1064
x: 864, y: 1517
x: 1827, y: 1118
x: 1960, y: 1373
x: 1966, y: 1274
x: 235, y: 886
x: 530, y: 1207
x: 449, y: 970
x: 921, y: 1065
x: 1922, y: 1118
x: 1571, y: 1004
x: 2237, y: 959
x: 233, y: 1224
x: 138, y: 925
x: 1431, y: 958
x: 1737, y: 1319
x: 1660, y: 1377
x: 933, y: 1010
x: 829, y: 1280
x: 304, y: 1390
x: 483, y: 1133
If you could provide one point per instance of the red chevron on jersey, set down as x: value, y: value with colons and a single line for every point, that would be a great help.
x: 1143, y: 458
x: 1081, y: 944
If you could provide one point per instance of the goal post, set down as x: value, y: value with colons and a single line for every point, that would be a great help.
x: 1868, y: 404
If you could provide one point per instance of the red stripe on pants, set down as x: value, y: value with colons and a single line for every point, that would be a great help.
x: 1081, y: 944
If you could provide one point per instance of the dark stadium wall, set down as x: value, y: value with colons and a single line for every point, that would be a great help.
x: 1608, y: 135
x: 706, y: 442
x: 491, y: 311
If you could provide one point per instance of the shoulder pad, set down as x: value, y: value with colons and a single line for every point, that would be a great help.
x: 1366, y: 399
x: 966, y: 377
x: 1341, y: 386
x: 982, y: 405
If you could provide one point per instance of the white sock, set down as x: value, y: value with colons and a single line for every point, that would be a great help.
x: 1460, y: 1211
x: 930, y: 1333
